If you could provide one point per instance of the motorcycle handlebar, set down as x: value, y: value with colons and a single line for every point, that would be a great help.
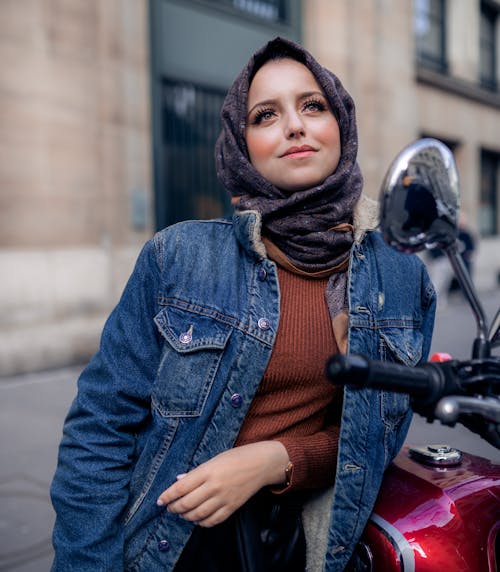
x: 427, y: 382
x: 438, y: 390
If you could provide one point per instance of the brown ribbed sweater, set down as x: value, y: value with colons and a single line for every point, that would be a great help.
x: 294, y: 403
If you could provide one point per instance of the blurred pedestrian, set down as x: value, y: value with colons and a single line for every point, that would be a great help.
x: 440, y: 269
x: 466, y: 244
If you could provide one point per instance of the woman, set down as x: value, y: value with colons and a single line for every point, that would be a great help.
x: 204, y: 429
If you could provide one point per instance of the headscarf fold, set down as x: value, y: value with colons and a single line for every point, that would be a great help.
x: 312, y: 227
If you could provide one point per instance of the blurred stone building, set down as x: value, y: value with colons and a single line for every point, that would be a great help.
x: 109, y: 111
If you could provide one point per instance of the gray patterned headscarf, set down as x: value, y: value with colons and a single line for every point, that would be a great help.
x: 312, y: 227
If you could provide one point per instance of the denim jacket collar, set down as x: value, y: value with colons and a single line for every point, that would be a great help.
x: 248, y: 226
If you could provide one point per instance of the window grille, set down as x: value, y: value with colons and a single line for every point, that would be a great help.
x: 430, y: 33
x: 488, y: 197
x: 488, y: 47
x: 190, y: 126
x: 268, y: 10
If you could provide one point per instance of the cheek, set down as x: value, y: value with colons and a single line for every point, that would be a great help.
x: 329, y: 133
x: 330, y: 136
x: 260, y: 146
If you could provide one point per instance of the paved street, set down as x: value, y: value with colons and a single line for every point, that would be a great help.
x: 32, y: 410
x: 454, y: 331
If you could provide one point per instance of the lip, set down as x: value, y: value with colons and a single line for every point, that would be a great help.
x: 302, y: 151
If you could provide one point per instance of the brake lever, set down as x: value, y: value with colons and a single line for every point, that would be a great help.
x: 450, y: 408
x: 479, y: 414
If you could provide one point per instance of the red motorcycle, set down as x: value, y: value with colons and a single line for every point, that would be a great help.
x: 438, y: 508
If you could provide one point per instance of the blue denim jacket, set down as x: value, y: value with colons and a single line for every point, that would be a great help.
x: 180, y: 360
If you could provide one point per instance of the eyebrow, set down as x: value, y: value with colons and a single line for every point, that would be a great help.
x: 304, y: 95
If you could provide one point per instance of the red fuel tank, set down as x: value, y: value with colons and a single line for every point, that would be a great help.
x: 438, y: 511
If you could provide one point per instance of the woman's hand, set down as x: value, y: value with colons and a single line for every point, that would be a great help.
x: 210, y: 493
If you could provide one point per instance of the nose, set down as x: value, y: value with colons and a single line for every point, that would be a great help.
x: 295, y: 126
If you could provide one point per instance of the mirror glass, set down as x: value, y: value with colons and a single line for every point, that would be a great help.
x: 420, y: 198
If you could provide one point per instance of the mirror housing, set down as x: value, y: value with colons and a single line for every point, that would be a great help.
x: 420, y: 198
x: 419, y: 209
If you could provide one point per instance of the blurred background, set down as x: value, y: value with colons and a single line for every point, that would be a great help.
x: 109, y: 112
x: 108, y: 116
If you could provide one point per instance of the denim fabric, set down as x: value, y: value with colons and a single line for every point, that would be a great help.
x: 181, y: 357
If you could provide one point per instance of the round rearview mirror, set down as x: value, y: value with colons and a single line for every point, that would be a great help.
x: 420, y: 198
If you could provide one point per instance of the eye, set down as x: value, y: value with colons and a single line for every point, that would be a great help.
x: 314, y: 105
x: 264, y: 114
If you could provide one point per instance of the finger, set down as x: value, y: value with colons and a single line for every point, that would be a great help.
x: 215, y: 518
x: 202, y: 511
x: 186, y: 482
x: 190, y: 501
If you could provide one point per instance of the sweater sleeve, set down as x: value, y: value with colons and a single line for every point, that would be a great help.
x: 314, y: 458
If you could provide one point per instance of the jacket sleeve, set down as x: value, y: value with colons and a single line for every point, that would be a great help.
x: 90, y: 488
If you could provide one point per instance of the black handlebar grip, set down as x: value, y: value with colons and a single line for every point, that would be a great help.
x: 425, y: 382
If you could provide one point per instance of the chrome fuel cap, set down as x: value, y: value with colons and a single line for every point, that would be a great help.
x: 439, y: 455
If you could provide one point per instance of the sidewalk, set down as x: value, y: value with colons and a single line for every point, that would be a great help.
x: 33, y: 408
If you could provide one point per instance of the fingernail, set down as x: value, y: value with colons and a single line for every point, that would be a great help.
x: 159, y: 502
x: 181, y: 476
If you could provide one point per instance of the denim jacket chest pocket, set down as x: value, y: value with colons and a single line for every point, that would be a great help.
x: 401, y: 345
x: 194, y: 345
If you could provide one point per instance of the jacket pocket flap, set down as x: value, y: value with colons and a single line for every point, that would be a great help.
x: 188, y: 331
x: 404, y: 343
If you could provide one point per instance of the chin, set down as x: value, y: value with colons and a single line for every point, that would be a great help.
x: 296, y: 186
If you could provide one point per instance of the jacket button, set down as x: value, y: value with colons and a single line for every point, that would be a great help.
x: 185, y: 338
x: 262, y: 274
x: 236, y: 400
x: 163, y: 545
x: 264, y: 324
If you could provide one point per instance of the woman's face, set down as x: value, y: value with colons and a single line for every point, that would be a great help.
x: 292, y: 136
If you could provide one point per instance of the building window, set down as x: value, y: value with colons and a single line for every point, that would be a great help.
x: 190, y: 126
x: 489, y: 191
x: 430, y: 33
x: 269, y: 10
x: 488, y: 47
